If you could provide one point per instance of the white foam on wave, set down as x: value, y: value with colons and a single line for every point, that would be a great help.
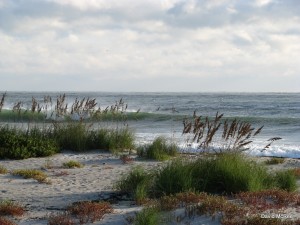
x: 286, y: 151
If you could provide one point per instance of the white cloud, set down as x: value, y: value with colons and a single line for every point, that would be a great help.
x: 168, y: 39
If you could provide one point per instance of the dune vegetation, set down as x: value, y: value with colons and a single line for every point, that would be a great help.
x: 203, y: 185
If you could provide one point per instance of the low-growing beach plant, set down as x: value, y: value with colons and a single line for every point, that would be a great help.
x: 38, y: 175
x: 87, y: 211
x: 5, y: 221
x: 159, y: 149
x: 168, y: 203
x: 60, y: 218
x: 10, y: 208
x: 296, y: 172
x: 72, y: 164
x: 275, y: 161
x: 3, y: 170
x: 126, y: 159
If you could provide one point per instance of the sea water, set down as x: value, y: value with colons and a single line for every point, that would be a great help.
x: 163, y: 114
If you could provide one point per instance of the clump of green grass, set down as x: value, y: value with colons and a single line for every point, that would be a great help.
x: 147, y: 216
x: 175, y: 177
x: 159, y: 149
x: 137, y: 183
x: 77, y: 136
x: 230, y: 173
x: 114, y: 140
x: 222, y: 173
x: 285, y: 180
x: 3, y: 170
x: 72, y: 135
x: 274, y: 161
x: 72, y: 164
x: 32, y: 173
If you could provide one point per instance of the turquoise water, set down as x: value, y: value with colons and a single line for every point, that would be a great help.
x: 162, y: 113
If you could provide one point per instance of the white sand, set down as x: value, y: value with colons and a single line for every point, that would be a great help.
x: 98, y: 176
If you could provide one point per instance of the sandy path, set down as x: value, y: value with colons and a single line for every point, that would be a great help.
x: 98, y: 175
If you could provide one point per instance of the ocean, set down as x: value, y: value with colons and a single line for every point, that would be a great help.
x: 163, y: 114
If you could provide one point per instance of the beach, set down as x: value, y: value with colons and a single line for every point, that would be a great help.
x: 94, y: 181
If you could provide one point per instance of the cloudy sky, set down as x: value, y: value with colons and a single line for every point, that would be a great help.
x: 150, y: 45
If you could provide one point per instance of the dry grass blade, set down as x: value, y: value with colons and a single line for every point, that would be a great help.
x: 2, y: 101
x: 271, y: 141
x: 235, y: 135
x: 258, y: 131
x: 275, y: 139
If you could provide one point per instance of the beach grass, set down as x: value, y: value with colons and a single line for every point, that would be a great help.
x: 38, y: 175
x: 159, y: 149
x: 274, y: 161
x: 72, y: 164
x: 285, y: 180
x: 3, y: 170
x: 225, y: 173
x: 76, y: 136
x: 147, y: 216
x: 136, y: 184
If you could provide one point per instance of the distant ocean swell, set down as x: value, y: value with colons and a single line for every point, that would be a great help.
x: 163, y: 113
x: 9, y: 115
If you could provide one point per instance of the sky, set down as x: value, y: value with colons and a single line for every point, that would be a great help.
x: 150, y: 45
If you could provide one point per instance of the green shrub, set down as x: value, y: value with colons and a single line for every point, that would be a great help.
x: 147, y: 216
x: 20, y: 144
x: 158, y: 150
x: 72, y: 164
